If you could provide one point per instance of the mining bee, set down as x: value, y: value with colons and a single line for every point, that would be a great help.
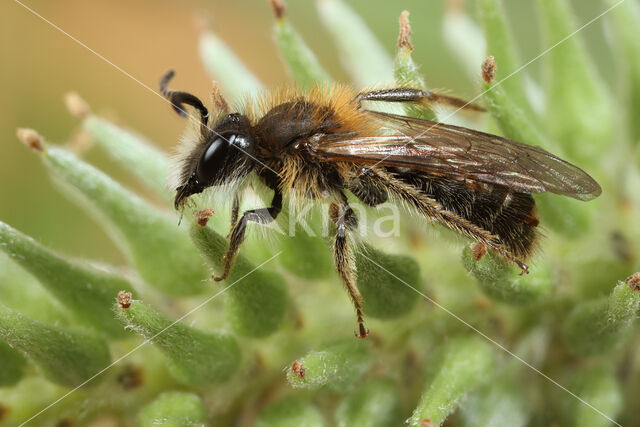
x: 322, y: 143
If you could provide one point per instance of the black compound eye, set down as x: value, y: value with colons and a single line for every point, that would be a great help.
x: 213, y: 160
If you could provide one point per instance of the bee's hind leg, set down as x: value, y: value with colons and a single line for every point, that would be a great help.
x: 344, y: 218
x: 236, y: 235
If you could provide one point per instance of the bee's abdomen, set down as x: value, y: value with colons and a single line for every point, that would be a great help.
x: 509, y: 215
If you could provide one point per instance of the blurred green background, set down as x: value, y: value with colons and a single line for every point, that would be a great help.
x: 40, y: 64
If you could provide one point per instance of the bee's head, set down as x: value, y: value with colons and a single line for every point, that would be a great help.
x: 223, y: 151
x: 224, y: 154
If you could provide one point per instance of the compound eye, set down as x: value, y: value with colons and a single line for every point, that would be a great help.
x: 214, y: 158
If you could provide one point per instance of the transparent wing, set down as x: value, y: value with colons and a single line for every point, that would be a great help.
x: 459, y: 153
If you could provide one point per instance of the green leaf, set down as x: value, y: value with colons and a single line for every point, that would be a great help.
x: 290, y: 411
x: 300, y: 60
x: 498, y: 404
x: 360, y: 52
x: 195, y: 357
x: 579, y: 111
x: 233, y: 76
x: 503, y: 281
x: 383, y: 279
x: 22, y: 292
x: 12, y: 366
x: 334, y: 367
x: 257, y: 301
x: 600, y: 388
x: 600, y: 325
x: 150, y: 239
x: 85, y: 291
x: 306, y: 256
x: 173, y: 409
x: 463, y: 364
x: 66, y: 357
x: 133, y: 152
x: 626, y: 20
x: 500, y: 45
x: 406, y: 71
x: 375, y: 403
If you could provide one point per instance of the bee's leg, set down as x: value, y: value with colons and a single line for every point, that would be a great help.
x: 432, y: 209
x: 235, y: 210
x: 344, y: 218
x: 236, y: 236
x: 417, y: 96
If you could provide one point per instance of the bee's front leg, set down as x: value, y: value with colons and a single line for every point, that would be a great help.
x: 344, y: 218
x: 236, y: 236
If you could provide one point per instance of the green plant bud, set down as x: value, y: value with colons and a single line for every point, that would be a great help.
x: 600, y: 389
x: 503, y: 281
x: 84, y: 290
x: 383, y: 279
x: 406, y: 71
x: 233, y: 76
x: 26, y: 398
x: 300, y: 60
x: 257, y: 301
x: 375, y: 403
x: 497, y: 404
x: 151, y: 240
x: 500, y: 46
x: 363, y: 56
x: 66, y: 357
x: 334, y: 367
x: 626, y: 20
x: 463, y: 363
x: 579, y: 111
x: 306, y: 256
x: 133, y: 152
x: 12, y: 365
x: 600, y: 325
x: 290, y: 411
x: 195, y: 357
x: 173, y: 409
x: 22, y: 292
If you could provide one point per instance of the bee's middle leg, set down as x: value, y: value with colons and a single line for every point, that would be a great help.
x: 236, y: 235
x: 344, y: 218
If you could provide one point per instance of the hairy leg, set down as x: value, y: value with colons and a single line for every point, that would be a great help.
x: 344, y: 218
x: 432, y: 209
x: 236, y: 236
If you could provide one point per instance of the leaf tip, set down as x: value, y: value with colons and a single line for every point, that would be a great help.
x: 633, y: 282
x: 404, y: 36
x: 489, y: 69
x: 478, y: 251
x: 31, y: 139
x: 217, y: 99
x: 202, y: 216
x: 279, y: 10
x: 124, y: 299
x: 298, y: 369
x: 77, y: 106
x: 426, y: 422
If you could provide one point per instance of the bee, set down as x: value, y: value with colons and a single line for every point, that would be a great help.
x: 325, y: 142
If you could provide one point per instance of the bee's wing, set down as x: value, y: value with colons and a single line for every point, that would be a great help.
x: 460, y: 153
